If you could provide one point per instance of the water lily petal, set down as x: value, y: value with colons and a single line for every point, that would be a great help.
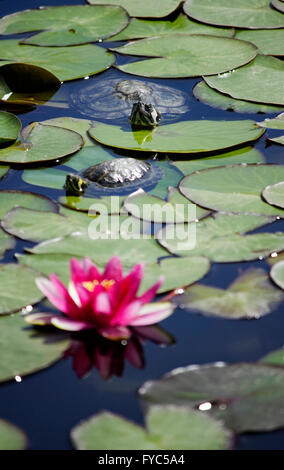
x: 57, y: 294
x: 126, y: 314
x: 130, y: 284
x: 40, y: 318
x: 90, y: 270
x: 113, y: 269
x: 152, y: 313
x: 69, y: 325
x: 150, y: 293
x: 102, y: 303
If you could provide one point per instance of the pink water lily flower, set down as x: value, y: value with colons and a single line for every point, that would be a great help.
x: 107, y: 301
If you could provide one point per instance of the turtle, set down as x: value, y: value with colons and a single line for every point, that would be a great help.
x: 144, y: 116
x: 113, y: 98
x: 113, y: 177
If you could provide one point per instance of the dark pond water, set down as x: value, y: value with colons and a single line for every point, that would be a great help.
x: 48, y: 404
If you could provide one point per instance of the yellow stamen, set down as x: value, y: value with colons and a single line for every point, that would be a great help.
x: 90, y: 285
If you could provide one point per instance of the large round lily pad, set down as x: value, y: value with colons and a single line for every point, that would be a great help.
x: 24, y: 350
x: 269, y: 42
x: 66, y: 63
x: 261, y: 81
x: 181, y: 137
x: 274, y: 194
x: 11, y: 437
x: 167, y: 427
x: 185, y: 55
x: 246, y: 397
x: 10, y: 127
x: 147, y: 9
x: 11, y: 198
x: 66, y: 25
x: 233, y: 189
x: 277, y: 274
x: 254, y: 14
x: 41, y: 143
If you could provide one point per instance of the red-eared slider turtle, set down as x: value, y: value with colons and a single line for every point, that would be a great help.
x: 111, y: 177
x: 114, y: 98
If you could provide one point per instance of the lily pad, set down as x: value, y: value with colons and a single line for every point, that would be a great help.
x: 274, y: 194
x: 245, y: 397
x: 181, y: 137
x: 66, y: 25
x: 277, y: 274
x: 275, y: 358
x: 3, y: 170
x: 261, y: 81
x: 273, y: 123
x: 41, y: 143
x: 66, y: 63
x: 81, y: 126
x: 167, y: 427
x: 25, y: 351
x: 105, y: 205
x: 10, y: 127
x: 220, y: 238
x: 147, y: 9
x: 11, y: 437
x: 181, y: 25
x: 185, y: 55
x: 171, y: 178
x: 18, y: 287
x: 238, y: 13
x: 269, y: 42
x: 278, y: 140
x: 278, y: 4
x: 213, y: 98
x: 11, y: 198
x: 6, y: 242
x: 251, y: 295
x: 233, y: 189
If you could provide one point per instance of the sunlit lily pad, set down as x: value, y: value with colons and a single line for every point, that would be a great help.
x: 11, y: 437
x: 213, y: 98
x: 6, y: 242
x: 66, y: 25
x: 185, y: 55
x: 181, y: 137
x: 105, y: 205
x: 18, y: 287
x: 274, y: 194
x: 239, y: 13
x: 261, y: 81
x: 66, y: 63
x: 246, y: 397
x: 10, y: 127
x: 81, y: 126
x: 147, y: 9
x: 233, y: 189
x: 273, y: 123
x: 251, y: 295
x: 24, y: 350
x: 277, y: 274
x: 278, y: 4
x: 277, y: 140
x: 275, y: 358
x: 11, y: 198
x: 3, y: 170
x: 41, y: 143
x: 181, y: 25
x: 269, y: 42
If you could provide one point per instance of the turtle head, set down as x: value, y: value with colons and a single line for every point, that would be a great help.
x: 144, y: 115
x: 75, y: 185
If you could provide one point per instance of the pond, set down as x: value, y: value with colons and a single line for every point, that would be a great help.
x: 207, y: 143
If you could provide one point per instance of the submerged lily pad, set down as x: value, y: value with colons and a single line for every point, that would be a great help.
x: 181, y: 25
x: 269, y: 42
x: 66, y: 63
x: 261, y: 81
x: 11, y: 437
x: 10, y: 127
x: 233, y: 189
x: 213, y: 98
x: 147, y: 9
x: 251, y: 295
x: 277, y: 274
x: 185, y: 55
x: 238, y: 13
x: 24, y: 350
x: 41, y: 143
x: 273, y: 123
x: 11, y: 198
x: 66, y: 25
x: 246, y: 397
x: 274, y: 194
x: 167, y: 427
x: 181, y: 137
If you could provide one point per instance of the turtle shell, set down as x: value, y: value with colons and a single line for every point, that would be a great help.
x: 113, y: 98
x: 120, y: 176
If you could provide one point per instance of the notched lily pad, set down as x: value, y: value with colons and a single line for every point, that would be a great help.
x: 11, y: 437
x: 10, y: 127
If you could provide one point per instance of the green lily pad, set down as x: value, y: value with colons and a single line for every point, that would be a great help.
x: 10, y: 127
x: 171, y: 177
x: 18, y: 287
x: 278, y: 140
x: 245, y: 397
x: 277, y: 274
x: 275, y: 358
x: 269, y: 42
x: 233, y: 189
x: 146, y: 10
x: 6, y: 242
x: 11, y: 437
x: 41, y: 143
x: 66, y: 63
x: 105, y: 205
x: 261, y: 81
x: 243, y: 155
x: 81, y: 126
x: 273, y: 123
x: 185, y: 55
x: 25, y: 351
x: 239, y: 13
x: 278, y: 4
x: 66, y: 25
x: 213, y: 98
x: 275, y: 258
x: 3, y: 170
x: 167, y: 427
x: 181, y: 25
x: 181, y: 137
x: 11, y: 198
x: 221, y: 238
x: 274, y: 194
x: 251, y: 295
